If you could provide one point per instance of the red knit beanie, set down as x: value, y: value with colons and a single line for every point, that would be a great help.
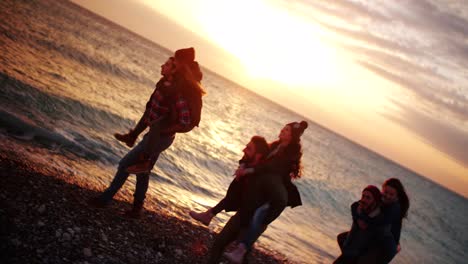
x: 185, y: 55
x: 374, y: 191
x: 297, y: 129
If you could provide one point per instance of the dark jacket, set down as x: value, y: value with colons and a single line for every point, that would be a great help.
x: 237, y: 188
x: 271, y: 184
x: 392, y: 216
x: 359, y: 240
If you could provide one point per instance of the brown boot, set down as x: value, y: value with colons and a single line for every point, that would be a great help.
x: 129, y: 139
x: 136, y: 211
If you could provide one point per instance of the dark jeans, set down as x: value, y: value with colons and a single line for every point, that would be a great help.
x: 256, y: 227
x: 130, y: 159
x: 341, y: 239
x: 375, y: 254
x: 264, y: 188
x: 231, y: 231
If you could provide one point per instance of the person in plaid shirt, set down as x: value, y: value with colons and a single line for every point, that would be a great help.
x: 161, y: 114
x: 174, y: 107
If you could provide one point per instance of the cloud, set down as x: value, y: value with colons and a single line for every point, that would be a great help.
x: 444, y: 136
x: 367, y: 38
x: 337, y: 8
x: 393, y: 62
x: 420, y: 45
x: 447, y: 100
x: 430, y: 17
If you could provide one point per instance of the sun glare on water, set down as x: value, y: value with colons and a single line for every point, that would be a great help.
x: 271, y: 43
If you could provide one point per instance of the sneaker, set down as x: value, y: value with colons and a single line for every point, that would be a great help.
x: 204, y: 218
x: 140, y: 167
x: 125, y: 138
x: 97, y: 202
x: 237, y: 255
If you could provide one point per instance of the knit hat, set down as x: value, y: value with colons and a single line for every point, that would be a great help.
x: 195, y: 69
x: 185, y: 55
x: 374, y: 191
x: 297, y: 129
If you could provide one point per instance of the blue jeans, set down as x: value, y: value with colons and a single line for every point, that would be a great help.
x: 256, y: 226
x: 131, y: 158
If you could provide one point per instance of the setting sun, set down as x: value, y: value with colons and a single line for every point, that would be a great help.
x: 270, y: 43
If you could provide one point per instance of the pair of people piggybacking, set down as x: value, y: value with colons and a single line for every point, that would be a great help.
x: 262, y: 186
x: 377, y: 218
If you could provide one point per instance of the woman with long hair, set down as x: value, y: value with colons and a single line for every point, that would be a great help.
x: 395, y: 206
x: 267, y: 192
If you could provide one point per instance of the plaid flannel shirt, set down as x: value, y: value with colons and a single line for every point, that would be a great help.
x: 183, y: 111
x: 156, y: 108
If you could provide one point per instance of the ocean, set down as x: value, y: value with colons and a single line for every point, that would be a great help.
x: 70, y: 79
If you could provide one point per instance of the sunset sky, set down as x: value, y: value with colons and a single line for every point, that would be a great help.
x: 389, y: 75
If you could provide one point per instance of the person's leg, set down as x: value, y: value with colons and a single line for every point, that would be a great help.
x: 253, y: 232
x: 121, y: 174
x: 206, y: 217
x: 142, y: 181
x: 264, y: 188
x: 256, y: 227
x: 230, y: 201
x: 141, y: 187
x: 224, y: 238
x: 154, y: 135
x: 341, y: 238
x: 151, y: 150
x: 252, y: 198
x: 389, y: 250
x: 277, y: 196
x: 139, y: 195
x: 218, y: 207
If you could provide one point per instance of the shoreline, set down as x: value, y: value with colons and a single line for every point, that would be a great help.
x: 44, y: 218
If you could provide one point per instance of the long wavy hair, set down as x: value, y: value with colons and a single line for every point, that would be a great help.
x: 191, y: 75
x: 293, y: 152
x: 403, y: 198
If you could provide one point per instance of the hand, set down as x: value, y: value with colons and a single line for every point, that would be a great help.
x: 361, y: 224
x: 240, y: 172
x: 359, y: 208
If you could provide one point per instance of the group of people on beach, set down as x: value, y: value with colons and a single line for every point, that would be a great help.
x: 262, y: 187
